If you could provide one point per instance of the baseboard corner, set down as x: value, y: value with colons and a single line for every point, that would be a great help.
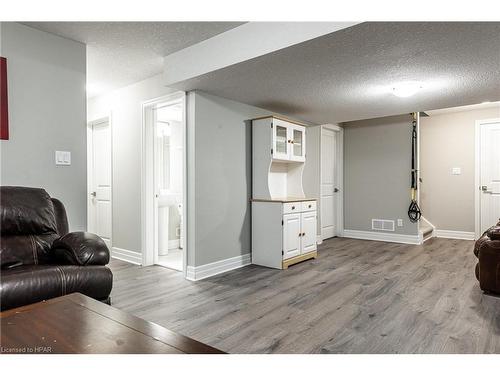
x: 196, y: 273
x: 129, y: 256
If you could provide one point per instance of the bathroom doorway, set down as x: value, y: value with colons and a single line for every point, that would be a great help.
x: 164, y: 184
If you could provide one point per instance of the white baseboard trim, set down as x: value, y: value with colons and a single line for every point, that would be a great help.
x: 454, y: 234
x: 173, y: 244
x: 215, y: 268
x: 126, y: 255
x: 379, y: 236
x: 319, y: 240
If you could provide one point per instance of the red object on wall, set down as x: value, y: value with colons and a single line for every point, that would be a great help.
x: 4, y: 112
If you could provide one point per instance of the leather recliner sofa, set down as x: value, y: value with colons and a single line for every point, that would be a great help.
x: 39, y: 258
x: 487, y: 250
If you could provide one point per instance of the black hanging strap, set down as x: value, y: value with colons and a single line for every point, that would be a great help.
x: 414, y: 212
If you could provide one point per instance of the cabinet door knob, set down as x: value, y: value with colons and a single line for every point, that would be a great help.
x: 293, y: 207
x: 310, y: 205
x: 303, y: 234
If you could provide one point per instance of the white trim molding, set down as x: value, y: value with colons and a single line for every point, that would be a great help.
x: 319, y: 240
x: 454, y: 234
x: 385, y: 237
x: 126, y: 255
x: 215, y: 268
x: 148, y: 214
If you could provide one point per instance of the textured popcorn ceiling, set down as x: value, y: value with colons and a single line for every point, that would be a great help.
x: 349, y: 74
x: 121, y: 53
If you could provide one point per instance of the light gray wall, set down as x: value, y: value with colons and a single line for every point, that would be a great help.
x: 218, y: 168
x: 377, y: 164
x: 47, y: 112
x: 125, y: 107
x: 447, y: 140
x: 222, y: 178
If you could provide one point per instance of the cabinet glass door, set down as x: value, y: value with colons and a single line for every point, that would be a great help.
x: 280, y: 142
x: 298, y: 143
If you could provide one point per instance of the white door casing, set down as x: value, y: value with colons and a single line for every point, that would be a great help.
x: 100, y: 179
x: 489, y: 175
x: 148, y: 191
x: 328, y: 201
x: 308, y: 238
x: 291, y: 235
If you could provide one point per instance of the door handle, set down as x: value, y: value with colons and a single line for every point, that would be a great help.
x: 94, y: 194
x: 336, y: 190
x: 484, y: 189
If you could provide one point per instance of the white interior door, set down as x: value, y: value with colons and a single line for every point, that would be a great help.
x: 291, y: 235
x: 328, y: 184
x: 101, y: 180
x: 308, y: 232
x: 490, y: 175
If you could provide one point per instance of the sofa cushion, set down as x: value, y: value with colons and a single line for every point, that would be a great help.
x: 26, y: 249
x: 26, y: 211
x: 28, y: 284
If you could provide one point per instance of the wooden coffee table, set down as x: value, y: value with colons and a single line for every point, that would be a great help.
x: 78, y: 324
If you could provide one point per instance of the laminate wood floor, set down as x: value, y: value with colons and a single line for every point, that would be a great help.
x: 357, y: 297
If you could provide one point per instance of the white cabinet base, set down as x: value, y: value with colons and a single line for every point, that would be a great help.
x: 279, y: 238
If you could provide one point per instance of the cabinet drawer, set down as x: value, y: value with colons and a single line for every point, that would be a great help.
x: 292, y: 207
x: 309, y: 206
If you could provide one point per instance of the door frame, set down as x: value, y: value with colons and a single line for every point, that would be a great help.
x: 147, y: 179
x: 339, y: 160
x: 477, y: 174
x: 90, y: 172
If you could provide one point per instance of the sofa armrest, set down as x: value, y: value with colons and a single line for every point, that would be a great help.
x: 81, y: 249
x: 489, y: 266
x: 494, y: 233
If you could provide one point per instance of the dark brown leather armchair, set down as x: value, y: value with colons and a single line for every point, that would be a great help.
x: 487, y: 250
x: 39, y: 258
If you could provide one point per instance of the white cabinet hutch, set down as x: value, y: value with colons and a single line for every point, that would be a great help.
x: 283, y: 219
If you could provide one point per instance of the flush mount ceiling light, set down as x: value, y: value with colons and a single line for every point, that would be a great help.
x: 406, y: 89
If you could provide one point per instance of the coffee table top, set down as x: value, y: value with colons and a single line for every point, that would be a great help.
x: 78, y: 324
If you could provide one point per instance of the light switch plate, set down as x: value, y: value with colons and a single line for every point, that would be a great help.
x: 63, y: 158
x: 400, y: 222
x: 456, y: 170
